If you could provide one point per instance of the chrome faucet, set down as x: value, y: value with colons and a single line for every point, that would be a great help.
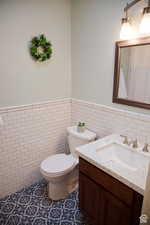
x: 134, y: 143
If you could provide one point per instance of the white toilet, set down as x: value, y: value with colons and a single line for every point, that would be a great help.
x: 61, y: 170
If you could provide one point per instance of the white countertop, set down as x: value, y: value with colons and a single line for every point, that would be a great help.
x: 88, y: 152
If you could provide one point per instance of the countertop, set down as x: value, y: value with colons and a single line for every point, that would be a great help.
x: 87, y: 152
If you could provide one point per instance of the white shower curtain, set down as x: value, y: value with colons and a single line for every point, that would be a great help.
x: 139, y: 74
x: 122, y: 85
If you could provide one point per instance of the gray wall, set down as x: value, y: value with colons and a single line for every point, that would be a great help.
x: 95, y: 28
x: 22, y: 81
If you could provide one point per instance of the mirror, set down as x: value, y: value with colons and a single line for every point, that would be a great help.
x: 132, y: 73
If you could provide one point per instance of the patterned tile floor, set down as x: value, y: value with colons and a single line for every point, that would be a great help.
x: 31, y: 206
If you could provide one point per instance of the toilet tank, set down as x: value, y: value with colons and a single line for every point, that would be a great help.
x: 76, y: 138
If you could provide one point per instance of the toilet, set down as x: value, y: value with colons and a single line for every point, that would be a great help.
x: 61, y: 170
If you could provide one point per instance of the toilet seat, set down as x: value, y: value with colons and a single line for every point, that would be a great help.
x: 58, y: 164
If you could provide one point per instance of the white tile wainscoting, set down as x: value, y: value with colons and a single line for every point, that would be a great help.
x: 107, y: 120
x: 31, y: 133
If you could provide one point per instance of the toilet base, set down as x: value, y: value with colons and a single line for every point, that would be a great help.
x: 73, y: 187
x: 56, y: 191
x: 59, y: 188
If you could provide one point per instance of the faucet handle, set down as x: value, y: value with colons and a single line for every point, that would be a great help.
x: 145, y: 149
x: 135, y: 143
x: 125, y: 139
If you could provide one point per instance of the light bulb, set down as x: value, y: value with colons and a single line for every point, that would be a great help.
x: 126, y: 30
x: 145, y: 24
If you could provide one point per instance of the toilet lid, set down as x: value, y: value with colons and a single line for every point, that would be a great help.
x: 58, y: 163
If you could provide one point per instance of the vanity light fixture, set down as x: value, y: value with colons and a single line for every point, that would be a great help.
x: 145, y: 23
x: 126, y: 29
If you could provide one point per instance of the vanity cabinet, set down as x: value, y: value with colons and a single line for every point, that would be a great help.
x: 106, y: 201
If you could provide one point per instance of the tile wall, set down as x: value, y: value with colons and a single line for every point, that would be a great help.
x: 107, y: 120
x: 29, y: 135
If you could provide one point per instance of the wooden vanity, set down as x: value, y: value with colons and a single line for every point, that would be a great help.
x: 106, y: 201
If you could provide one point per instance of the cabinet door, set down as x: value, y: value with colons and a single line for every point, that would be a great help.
x: 89, y: 196
x: 115, y: 212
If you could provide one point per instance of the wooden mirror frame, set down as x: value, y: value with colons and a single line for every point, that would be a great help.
x: 119, y: 45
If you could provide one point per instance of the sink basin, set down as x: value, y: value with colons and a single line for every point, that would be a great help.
x: 123, y: 161
x: 126, y: 164
x: 115, y: 155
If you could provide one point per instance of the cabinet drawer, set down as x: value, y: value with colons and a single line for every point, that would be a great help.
x: 109, y: 183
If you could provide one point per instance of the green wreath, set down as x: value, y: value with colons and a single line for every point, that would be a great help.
x: 40, y: 48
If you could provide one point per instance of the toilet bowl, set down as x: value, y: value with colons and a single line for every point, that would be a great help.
x: 61, y: 170
x: 58, y: 170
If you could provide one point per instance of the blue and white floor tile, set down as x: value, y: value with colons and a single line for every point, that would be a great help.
x: 31, y: 206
